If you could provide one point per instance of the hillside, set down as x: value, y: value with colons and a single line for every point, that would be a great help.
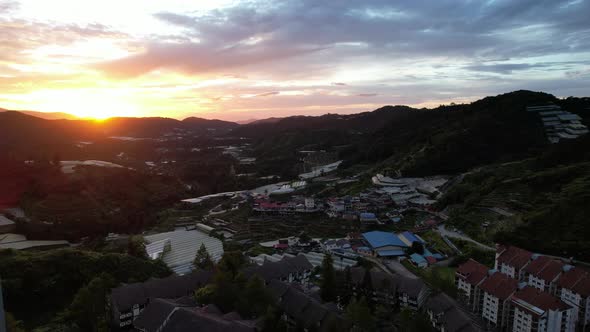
x: 541, y: 203
x: 24, y: 136
x: 47, y: 115
x: 445, y: 140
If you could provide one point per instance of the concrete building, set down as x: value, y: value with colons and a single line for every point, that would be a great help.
x: 536, y: 310
x: 468, y: 278
x: 495, y: 307
x: 512, y: 261
x: 573, y: 288
x: 543, y: 273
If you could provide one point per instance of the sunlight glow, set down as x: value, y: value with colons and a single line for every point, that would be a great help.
x: 85, y: 103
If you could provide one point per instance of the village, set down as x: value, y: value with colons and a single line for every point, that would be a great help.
x: 381, y: 225
x: 388, y: 237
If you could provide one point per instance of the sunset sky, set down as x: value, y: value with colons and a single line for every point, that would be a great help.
x: 240, y: 60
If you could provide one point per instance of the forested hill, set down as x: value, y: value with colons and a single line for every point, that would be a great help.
x: 24, y: 135
x: 445, y: 140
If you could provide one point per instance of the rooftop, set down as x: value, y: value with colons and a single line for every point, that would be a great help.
x: 545, y: 268
x: 183, y: 247
x: 576, y: 280
x: 127, y: 295
x: 499, y: 285
x: 5, y: 221
x: 378, y: 239
x: 514, y: 256
x: 537, y: 302
x: 472, y: 272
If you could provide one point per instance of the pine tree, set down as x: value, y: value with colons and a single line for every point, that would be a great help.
x: 202, y: 259
x: 328, y: 282
x: 359, y: 315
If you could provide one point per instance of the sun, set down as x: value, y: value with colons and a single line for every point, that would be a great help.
x: 96, y: 104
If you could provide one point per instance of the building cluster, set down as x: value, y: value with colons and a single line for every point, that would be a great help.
x: 168, y: 304
x: 297, y: 204
x: 398, y: 246
x: 389, y: 290
x: 421, y: 192
x: 526, y: 292
x: 559, y: 124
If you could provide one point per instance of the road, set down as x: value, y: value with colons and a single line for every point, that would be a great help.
x: 398, y: 268
x: 454, y: 235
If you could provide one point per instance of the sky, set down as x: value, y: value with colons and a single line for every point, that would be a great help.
x: 253, y: 59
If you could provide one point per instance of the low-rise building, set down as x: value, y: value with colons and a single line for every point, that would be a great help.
x: 495, y: 305
x: 379, y: 288
x: 288, y: 269
x: 446, y: 316
x: 468, y: 278
x: 129, y: 300
x: 385, y: 244
x: 536, y: 310
x: 166, y: 315
x: 300, y: 309
x: 411, y: 293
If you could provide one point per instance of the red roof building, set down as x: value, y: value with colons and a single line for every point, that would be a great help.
x: 468, y: 277
x: 536, y: 310
x: 497, y: 290
x: 512, y: 260
x: 543, y: 272
x: 573, y: 287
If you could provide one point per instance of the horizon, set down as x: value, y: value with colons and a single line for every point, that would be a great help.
x: 243, y: 60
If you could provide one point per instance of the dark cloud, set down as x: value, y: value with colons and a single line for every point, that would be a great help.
x: 257, y: 32
x: 367, y: 94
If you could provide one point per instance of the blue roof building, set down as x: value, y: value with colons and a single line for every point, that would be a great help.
x: 409, y: 238
x: 378, y: 239
x: 368, y: 216
x: 418, y: 260
x: 390, y: 253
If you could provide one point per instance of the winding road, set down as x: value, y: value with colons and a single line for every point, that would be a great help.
x: 454, y: 235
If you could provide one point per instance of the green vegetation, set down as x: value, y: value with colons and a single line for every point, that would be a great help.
x: 413, y: 321
x: 435, y: 241
x: 202, y: 259
x: 360, y: 317
x: 546, y: 198
x: 54, y: 286
x: 470, y: 250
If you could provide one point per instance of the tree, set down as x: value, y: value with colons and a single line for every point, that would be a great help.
x: 202, y: 259
x: 13, y: 325
x: 255, y: 298
x: 411, y: 321
x: 418, y: 247
x: 359, y: 315
x: 231, y: 262
x: 136, y: 246
x: 272, y: 322
x: 87, y: 310
x: 328, y: 282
